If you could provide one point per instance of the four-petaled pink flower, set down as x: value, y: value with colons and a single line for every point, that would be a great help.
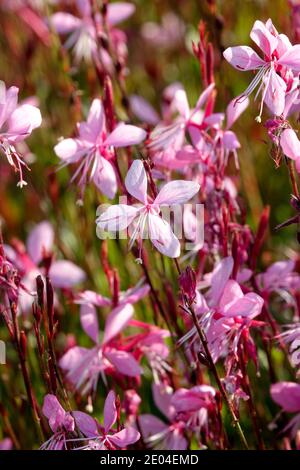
x: 64, y: 274
x: 93, y: 150
x: 83, y: 366
x: 274, y: 72
x: 16, y: 124
x: 107, y: 438
x: 82, y: 32
x: 63, y: 424
x: 147, y: 216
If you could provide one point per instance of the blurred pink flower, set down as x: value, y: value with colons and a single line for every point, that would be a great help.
x: 63, y: 274
x: 160, y: 434
x: 83, y: 366
x: 287, y: 395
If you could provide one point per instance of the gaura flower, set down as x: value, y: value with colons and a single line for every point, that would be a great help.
x: 147, y: 216
x: 274, y: 71
x: 63, y: 273
x: 16, y: 124
x: 93, y: 150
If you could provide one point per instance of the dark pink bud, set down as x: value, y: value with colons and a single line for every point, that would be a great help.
x: 187, y: 282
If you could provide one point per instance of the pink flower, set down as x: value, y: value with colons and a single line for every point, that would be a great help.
x: 93, y: 150
x: 64, y: 423
x: 83, y: 366
x: 131, y: 296
x: 63, y: 274
x: 106, y: 438
x: 16, y: 124
x: 81, y: 31
x: 287, y: 395
x: 157, y: 433
x: 274, y: 71
x: 147, y: 216
x: 166, y: 140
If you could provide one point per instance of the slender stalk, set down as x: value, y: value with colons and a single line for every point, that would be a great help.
x: 214, y: 371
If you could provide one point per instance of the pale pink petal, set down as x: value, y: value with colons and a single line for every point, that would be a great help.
x: 125, y: 135
x: 91, y: 297
x: 275, y: 93
x: 8, y: 101
x: 95, y: 121
x: 70, y: 150
x: 230, y: 141
x: 65, y: 274
x: 22, y: 122
x: 117, y: 320
x: 287, y: 395
x: 235, y: 108
x: 232, y: 292
x: 40, y: 241
x: 291, y: 58
x: 151, y: 425
x: 243, y: 58
x: 109, y: 411
x: 219, y: 278
x: 176, y: 440
x: 105, y: 178
x: 162, y: 396
x: 136, y: 181
x: 143, y: 110
x: 53, y: 410
x: 162, y: 236
x: 266, y: 41
x: 89, y: 321
x: 176, y: 192
x: 290, y: 144
x: 64, y: 23
x: 124, y: 362
x: 117, y: 217
x: 87, y: 424
x: 72, y: 357
x: 119, y: 11
x: 135, y: 294
x: 181, y: 103
x: 125, y: 437
x: 205, y: 95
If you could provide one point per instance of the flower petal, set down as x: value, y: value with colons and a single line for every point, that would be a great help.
x: 136, y: 181
x: 176, y: 192
x: 124, y: 362
x: 290, y: 144
x: 162, y: 236
x: 117, y: 218
x: 125, y: 437
x: 125, y: 135
x: 40, y: 241
x: 105, y: 178
x: 243, y: 58
x: 116, y: 321
x: 89, y: 321
x: 266, y: 41
x: 65, y: 274
x: 110, y: 411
